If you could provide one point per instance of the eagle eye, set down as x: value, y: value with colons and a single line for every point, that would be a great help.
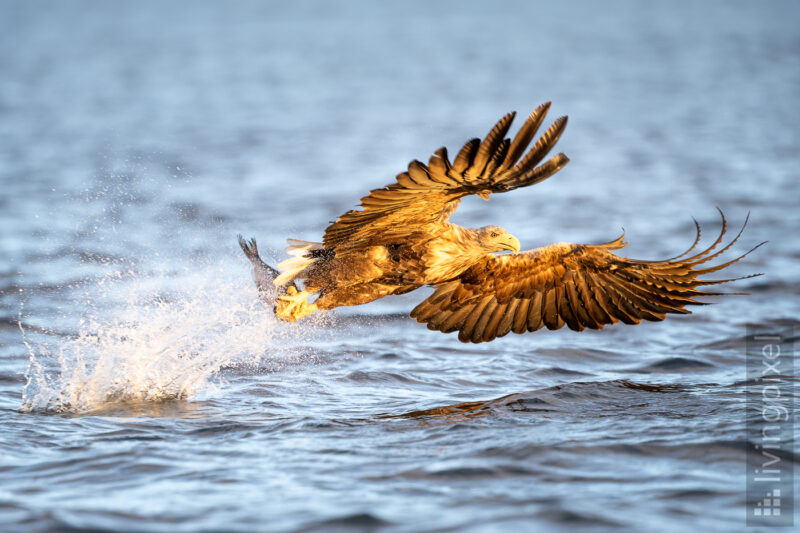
x: 493, y: 234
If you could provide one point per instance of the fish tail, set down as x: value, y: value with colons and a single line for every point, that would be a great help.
x: 250, y: 248
x: 264, y: 274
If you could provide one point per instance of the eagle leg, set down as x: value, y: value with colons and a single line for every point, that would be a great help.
x: 293, y: 305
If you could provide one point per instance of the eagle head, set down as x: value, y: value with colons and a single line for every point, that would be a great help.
x: 496, y: 239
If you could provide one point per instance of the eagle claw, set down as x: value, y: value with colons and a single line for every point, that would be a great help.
x: 293, y: 305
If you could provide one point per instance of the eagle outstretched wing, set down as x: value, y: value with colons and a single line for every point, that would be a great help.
x: 426, y: 195
x: 582, y: 286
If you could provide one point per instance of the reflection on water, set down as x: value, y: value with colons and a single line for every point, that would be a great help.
x: 149, y: 409
x: 560, y: 398
x: 137, y: 140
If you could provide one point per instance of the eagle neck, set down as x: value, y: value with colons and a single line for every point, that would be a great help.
x: 467, y: 240
x: 454, y: 251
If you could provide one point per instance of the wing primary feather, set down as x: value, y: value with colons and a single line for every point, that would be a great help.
x: 524, y: 135
x: 716, y: 242
x: 439, y: 167
x: 726, y: 247
x: 405, y: 180
x: 593, y: 308
x: 532, y: 176
x: 619, y: 306
x: 702, y: 271
x: 604, y: 302
x: 489, y: 145
x: 545, y: 143
x: 674, y: 295
x: 465, y: 155
x: 496, y: 159
x: 637, y: 305
x: 419, y: 174
x: 694, y: 244
x: 651, y: 302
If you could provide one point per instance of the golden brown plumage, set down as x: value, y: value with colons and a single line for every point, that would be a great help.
x: 401, y: 239
x: 426, y: 195
x: 582, y: 286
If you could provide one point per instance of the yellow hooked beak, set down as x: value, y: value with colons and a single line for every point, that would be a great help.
x: 511, y: 244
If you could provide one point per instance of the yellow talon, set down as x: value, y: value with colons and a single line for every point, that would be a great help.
x: 293, y: 305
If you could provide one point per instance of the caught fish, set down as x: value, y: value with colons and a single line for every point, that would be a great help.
x: 264, y: 274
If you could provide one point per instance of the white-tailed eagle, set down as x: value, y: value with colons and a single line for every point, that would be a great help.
x: 401, y: 240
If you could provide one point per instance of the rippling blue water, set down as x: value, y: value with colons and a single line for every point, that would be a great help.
x: 136, y: 141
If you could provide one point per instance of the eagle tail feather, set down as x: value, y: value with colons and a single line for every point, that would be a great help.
x: 292, y: 268
x: 301, y: 248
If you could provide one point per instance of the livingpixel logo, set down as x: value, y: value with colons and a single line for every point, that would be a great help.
x: 770, y: 427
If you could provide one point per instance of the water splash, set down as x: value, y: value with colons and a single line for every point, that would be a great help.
x: 153, y: 346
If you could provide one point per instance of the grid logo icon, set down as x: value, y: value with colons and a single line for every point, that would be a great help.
x: 770, y: 505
